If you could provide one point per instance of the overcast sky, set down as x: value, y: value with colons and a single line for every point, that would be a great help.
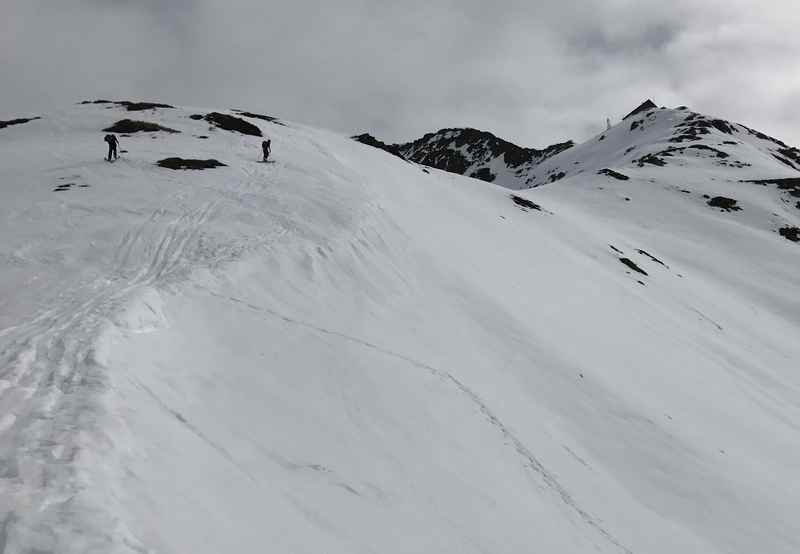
x: 535, y: 72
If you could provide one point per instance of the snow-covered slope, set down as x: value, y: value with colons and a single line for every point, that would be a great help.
x: 681, y: 138
x: 345, y: 352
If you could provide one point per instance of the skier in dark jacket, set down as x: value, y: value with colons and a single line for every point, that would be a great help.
x: 266, y: 147
x: 113, y: 142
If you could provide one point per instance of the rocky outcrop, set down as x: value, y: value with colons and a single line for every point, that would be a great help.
x: 643, y: 107
x: 471, y: 152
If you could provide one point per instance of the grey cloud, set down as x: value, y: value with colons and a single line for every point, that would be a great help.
x: 534, y: 72
x: 604, y: 43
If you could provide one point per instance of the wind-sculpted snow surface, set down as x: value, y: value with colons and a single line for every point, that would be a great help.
x: 337, y: 352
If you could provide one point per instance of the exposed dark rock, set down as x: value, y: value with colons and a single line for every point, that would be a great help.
x: 196, y: 116
x: 791, y: 184
x: 784, y: 161
x: 455, y: 150
x: 467, y: 152
x: 718, y: 153
x: 643, y: 107
x: 615, y: 249
x: 762, y: 136
x: 614, y: 174
x: 724, y: 203
x: 719, y: 125
x: 631, y: 264
x: 201, y: 136
x: 792, y: 154
x: 231, y: 123
x: 181, y: 163
x: 650, y: 159
x: 141, y: 106
x: 733, y: 142
x: 656, y: 159
x: 19, y: 121
x: 131, y: 126
x: 645, y: 253
x: 695, y: 125
x: 525, y: 203
x: 556, y: 177
x: 682, y: 149
x: 684, y: 137
x: 267, y: 118
x: 131, y: 106
x: 484, y: 174
x: 369, y: 140
x: 553, y: 149
x: 635, y: 125
x: 790, y: 233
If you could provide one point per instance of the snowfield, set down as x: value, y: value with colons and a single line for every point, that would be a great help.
x: 341, y: 352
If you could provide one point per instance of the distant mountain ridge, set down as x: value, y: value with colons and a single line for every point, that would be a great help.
x: 471, y: 152
x: 679, y: 138
x: 648, y: 135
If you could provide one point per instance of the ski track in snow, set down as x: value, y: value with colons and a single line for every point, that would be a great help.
x: 193, y: 429
x: 52, y: 377
x: 51, y: 380
x: 525, y: 454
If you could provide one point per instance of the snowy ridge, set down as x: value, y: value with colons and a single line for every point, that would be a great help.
x: 648, y: 135
x: 341, y: 351
x: 666, y: 137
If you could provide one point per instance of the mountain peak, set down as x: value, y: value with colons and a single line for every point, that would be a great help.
x: 653, y: 137
x: 644, y: 106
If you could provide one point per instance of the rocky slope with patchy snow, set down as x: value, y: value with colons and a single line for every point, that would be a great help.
x: 473, y: 153
x: 660, y: 137
x: 342, y: 351
x: 647, y: 135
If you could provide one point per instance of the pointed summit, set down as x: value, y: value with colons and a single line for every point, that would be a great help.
x: 646, y: 105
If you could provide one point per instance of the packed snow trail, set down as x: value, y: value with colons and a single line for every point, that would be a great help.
x: 340, y: 352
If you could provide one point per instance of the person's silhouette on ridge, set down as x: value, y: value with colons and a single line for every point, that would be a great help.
x: 266, y: 147
x: 113, y: 142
